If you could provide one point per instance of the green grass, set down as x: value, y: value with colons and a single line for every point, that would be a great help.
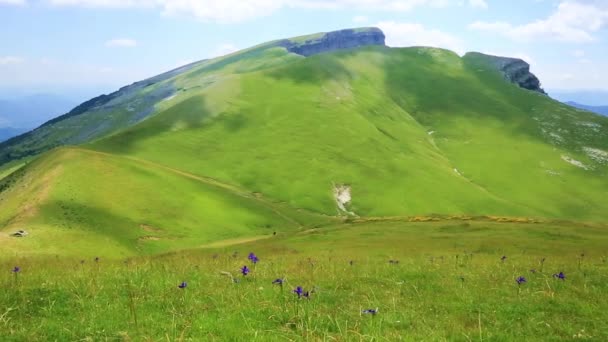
x: 423, y: 297
x: 363, y: 118
x: 131, y: 208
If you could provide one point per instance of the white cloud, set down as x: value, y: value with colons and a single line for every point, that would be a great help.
x: 13, y: 2
x: 478, y: 4
x: 227, y: 11
x: 360, y: 19
x: 411, y: 34
x: 8, y: 60
x: 571, y: 22
x: 121, y: 42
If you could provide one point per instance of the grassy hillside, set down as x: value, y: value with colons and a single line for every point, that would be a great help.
x: 412, y: 131
x: 78, y: 202
x: 260, y: 140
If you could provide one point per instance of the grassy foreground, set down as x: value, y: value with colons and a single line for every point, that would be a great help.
x: 429, y: 281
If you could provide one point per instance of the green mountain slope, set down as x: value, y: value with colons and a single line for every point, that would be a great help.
x: 81, y: 202
x: 412, y: 131
x: 264, y: 140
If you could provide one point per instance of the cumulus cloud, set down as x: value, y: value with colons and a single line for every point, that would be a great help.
x: 572, y: 21
x: 227, y: 11
x: 8, y: 60
x: 121, y: 42
x: 412, y: 34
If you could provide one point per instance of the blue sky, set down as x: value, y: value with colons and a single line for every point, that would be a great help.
x: 47, y: 45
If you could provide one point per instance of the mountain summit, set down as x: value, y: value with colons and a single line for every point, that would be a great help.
x: 332, y: 41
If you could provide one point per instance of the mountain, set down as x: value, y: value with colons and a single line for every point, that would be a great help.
x: 602, y: 110
x: 267, y: 139
x: 588, y: 97
x: 32, y: 110
x: 9, y: 132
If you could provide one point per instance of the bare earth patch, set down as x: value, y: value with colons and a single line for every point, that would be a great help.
x: 596, y: 154
x: 574, y: 162
x: 149, y: 228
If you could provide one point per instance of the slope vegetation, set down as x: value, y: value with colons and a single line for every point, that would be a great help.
x: 412, y: 131
x: 81, y: 202
x: 264, y: 140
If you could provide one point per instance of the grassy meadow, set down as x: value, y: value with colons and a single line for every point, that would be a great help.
x: 431, y: 281
x: 461, y: 184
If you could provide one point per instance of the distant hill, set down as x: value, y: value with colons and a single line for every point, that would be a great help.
x: 588, y: 97
x: 602, y: 110
x: 9, y: 132
x: 31, y: 111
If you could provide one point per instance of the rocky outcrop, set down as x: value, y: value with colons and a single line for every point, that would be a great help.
x: 336, y: 40
x: 514, y: 70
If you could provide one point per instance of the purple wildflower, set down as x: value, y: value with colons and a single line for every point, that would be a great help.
x: 245, y: 270
x: 306, y: 295
x: 183, y: 285
x: 278, y: 281
x: 370, y: 311
x: 299, y: 291
x: 253, y: 258
x: 17, y: 269
x: 560, y: 275
x: 520, y: 280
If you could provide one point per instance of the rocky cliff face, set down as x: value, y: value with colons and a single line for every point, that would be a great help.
x: 336, y: 40
x: 514, y: 70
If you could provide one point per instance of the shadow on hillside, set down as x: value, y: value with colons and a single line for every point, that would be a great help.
x: 191, y: 113
x: 314, y: 70
x: 75, y: 215
x: 428, y: 90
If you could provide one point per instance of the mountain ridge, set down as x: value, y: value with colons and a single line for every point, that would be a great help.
x: 106, y: 114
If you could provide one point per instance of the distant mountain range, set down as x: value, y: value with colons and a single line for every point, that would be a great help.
x: 9, y: 132
x: 588, y: 97
x: 20, y: 114
x: 602, y: 110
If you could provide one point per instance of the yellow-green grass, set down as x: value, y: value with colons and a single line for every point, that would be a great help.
x: 449, y: 284
x: 79, y: 202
